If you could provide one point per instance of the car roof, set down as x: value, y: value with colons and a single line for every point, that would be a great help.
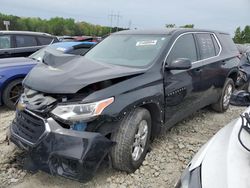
x: 26, y: 33
x: 166, y: 31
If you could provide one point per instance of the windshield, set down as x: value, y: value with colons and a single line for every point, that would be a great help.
x: 128, y: 50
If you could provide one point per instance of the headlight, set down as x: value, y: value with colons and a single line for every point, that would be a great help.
x: 78, y: 112
x: 190, y: 179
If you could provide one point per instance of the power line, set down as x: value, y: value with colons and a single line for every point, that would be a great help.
x: 111, y: 21
x: 118, y: 16
x: 114, y: 17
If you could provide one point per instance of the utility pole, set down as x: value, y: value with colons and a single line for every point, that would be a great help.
x: 129, y: 24
x: 118, y: 16
x: 114, y: 17
x: 111, y: 21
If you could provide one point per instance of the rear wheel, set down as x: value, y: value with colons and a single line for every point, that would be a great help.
x: 12, y: 93
x: 132, y: 141
x: 223, y: 104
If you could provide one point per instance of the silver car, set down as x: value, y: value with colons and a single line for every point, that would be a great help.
x: 224, y: 161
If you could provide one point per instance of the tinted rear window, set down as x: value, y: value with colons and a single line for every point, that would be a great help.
x: 206, y: 45
x: 5, y: 41
x: 25, y: 41
x: 44, y: 40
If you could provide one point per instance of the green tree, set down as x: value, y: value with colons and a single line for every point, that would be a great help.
x: 188, y: 26
x: 246, y: 34
x: 184, y: 26
x: 238, y: 36
x: 56, y: 26
x: 242, y: 36
x: 170, y: 25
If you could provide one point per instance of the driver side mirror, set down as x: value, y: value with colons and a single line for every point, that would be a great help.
x: 179, y: 64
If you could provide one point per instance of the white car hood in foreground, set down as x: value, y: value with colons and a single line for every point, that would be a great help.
x: 224, y: 162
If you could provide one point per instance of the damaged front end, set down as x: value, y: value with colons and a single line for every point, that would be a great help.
x: 242, y: 81
x: 59, y: 135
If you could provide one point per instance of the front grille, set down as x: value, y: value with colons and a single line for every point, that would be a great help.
x: 28, y: 126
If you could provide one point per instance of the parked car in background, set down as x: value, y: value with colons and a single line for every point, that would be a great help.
x: 243, y: 48
x: 79, y: 38
x: 23, y: 43
x: 223, y: 162
x: 125, y: 91
x: 13, y: 70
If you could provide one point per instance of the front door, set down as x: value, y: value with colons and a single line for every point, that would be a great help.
x: 182, y: 87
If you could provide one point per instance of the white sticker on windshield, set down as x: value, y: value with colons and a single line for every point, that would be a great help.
x: 61, y: 49
x: 146, y: 43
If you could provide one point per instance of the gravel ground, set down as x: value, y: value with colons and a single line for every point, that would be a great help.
x: 163, y: 165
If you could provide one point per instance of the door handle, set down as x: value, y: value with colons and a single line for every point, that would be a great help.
x: 198, y: 70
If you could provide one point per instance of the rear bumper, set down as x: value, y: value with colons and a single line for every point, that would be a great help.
x: 68, y: 153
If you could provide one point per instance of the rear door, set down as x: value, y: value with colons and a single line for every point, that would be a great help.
x: 25, y: 45
x: 212, y: 73
x: 182, y: 87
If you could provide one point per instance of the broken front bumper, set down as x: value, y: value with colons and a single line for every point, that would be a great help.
x: 56, y: 150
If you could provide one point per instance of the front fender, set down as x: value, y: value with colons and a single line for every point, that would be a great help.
x: 137, y: 91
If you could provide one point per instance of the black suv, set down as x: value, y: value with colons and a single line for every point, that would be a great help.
x: 124, y: 92
x: 23, y: 43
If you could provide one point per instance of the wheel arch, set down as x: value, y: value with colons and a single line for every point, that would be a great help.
x: 9, y: 80
x: 156, y: 117
x: 154, y: 109
x: 233, y: 74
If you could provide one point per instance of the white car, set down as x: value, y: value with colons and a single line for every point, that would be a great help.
x: 224, y: 161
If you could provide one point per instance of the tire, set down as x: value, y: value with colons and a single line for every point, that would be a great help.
x: 223, y: 103
x: 12, y: 93
x: 121, y: 153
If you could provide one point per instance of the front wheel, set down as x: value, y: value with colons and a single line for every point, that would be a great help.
x: 132, y: 140
x: 12, y: 92
x: 223, y: 103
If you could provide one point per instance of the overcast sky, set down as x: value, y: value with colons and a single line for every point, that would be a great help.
x: 223, y: 15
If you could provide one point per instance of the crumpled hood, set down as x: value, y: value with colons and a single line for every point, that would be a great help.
x: 73, y: 74
x: 226, y: 163
x: 17, y: 61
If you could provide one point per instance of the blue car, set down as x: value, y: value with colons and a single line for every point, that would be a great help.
x: 13, y: 70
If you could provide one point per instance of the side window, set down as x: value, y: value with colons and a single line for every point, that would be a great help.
x: 5, y: 42
x: 216, y: 45
x: 184, y: 48
x: 44, y: 40
x: 206, y: 45
x: 25, y: 41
